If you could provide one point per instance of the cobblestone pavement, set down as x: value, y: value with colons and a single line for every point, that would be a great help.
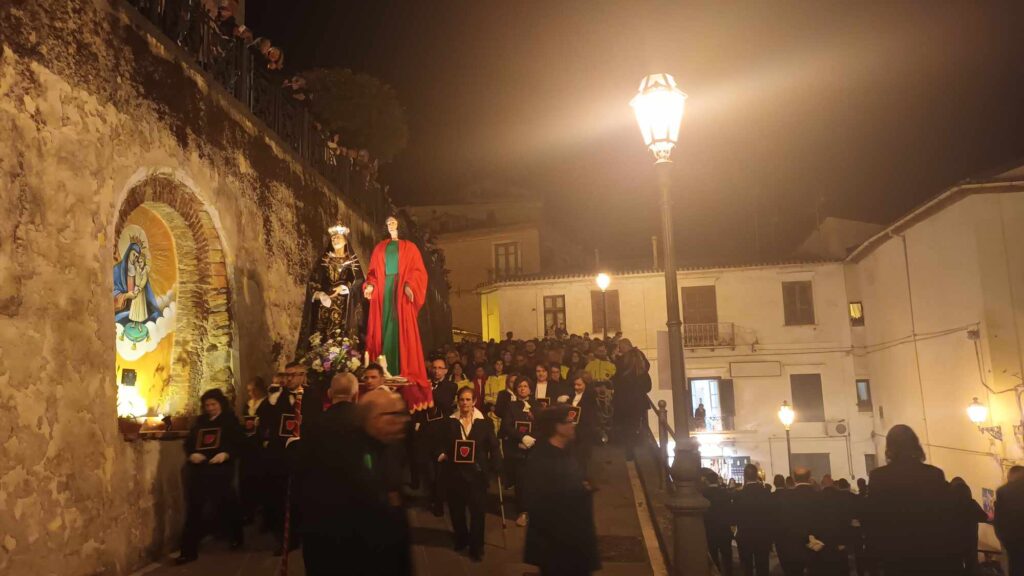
x: 623, y: 550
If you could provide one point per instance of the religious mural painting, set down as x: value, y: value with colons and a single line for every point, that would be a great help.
x: 145, y: 274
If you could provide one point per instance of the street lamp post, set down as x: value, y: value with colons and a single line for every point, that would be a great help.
x: 786, y: 416
x: 603, y: 281
x: 659, y: 107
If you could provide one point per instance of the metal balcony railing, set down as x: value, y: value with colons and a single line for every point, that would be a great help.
x: 240, y: 70
x: 496, y: 274
x: 715, y: 335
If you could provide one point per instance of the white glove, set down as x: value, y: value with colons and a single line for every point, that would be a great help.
x: 815, y: 544
x: 325, y: 300
x: 563, y: 399
x: 529, y: 441
x: 219, y: 458
x: 342, y: 289
x: 289, y: 441
x: 523, y: 446
x: 196, y: 458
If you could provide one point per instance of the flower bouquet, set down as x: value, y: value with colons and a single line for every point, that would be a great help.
x: 338, y: 353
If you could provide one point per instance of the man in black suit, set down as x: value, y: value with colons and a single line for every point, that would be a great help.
x: 909, y: 511
x: 796, y: 515
x: 718, y: 521
x: 1009, y: 519
x: 431, y: 432
x: 752, y: 507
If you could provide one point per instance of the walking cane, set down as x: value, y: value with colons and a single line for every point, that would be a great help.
x: 288, y: 498
x: 501, y: 499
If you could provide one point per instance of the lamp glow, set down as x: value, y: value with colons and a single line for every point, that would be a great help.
x: 786, y: 415
x: 977, y: 412
x: 659, y: 106
x: 130, y: 403
x: 603, y: 281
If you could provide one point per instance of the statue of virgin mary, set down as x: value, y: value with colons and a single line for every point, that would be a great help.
x: 332, y: 307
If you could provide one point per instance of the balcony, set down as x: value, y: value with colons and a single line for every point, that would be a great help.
x: 498, y: 274
x: 714, y: 335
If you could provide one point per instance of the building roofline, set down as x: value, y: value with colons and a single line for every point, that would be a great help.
x: 548, y: 277
x: 944, y: 200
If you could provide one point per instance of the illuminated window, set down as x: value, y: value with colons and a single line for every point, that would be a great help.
x: 864, y: 395
x: 856, y: 314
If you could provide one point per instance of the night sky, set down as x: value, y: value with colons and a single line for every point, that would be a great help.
x: 853, y: 109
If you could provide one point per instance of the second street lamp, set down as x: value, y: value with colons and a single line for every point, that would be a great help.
x: 603, y: 281
x: 659, y: 108
x: 786, y: 416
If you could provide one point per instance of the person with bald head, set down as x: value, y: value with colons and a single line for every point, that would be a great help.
x: 323, y: 460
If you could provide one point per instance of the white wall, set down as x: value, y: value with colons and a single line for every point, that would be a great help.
x: 751, y: 298
x: 962, y: 268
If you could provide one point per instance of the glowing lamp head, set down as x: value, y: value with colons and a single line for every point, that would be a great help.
x: 130, y: 403
x: 603, y: 281
x: 659, y: 107
x: 786, y: 414
x: 977, y: 412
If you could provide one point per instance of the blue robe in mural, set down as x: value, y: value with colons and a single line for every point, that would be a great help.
x: 121, y: 287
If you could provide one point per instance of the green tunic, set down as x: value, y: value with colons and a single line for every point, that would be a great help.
x: 389, y: 311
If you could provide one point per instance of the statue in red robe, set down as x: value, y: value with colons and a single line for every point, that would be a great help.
x: 396, y: 286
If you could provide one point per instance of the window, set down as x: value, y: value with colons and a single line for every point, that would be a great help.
x: 554, y: 312
x: 700, y: 316
x: 597, y: 310
x: 856, y: 314
x: 506, y: 259
x: 798, y: 303
x: 807, y: 400
x: 864, y: 395
x: 818, y: 463
x: 719, y: 403
x: 870, y: 462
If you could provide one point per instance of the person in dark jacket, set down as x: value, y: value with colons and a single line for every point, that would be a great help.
x: 1009, y: 519
x: 561, y: 539
x: 718, y: 520
x: 278, y: 423
x: 967, y: 515
x: 212, y: 446
x: 431, y: 432
x: 909, y: 511
x: 796, y: 515
x: 470, y: 454
x: 250, y: 467
x: 632, y: 383
x: 324, y: 461
x: 752, y: 510
x: 518, y: 438
x: 584, y: 401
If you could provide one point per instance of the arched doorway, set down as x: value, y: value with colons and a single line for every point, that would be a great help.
x: 172, y: 311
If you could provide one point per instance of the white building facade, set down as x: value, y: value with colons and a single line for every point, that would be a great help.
x: 914, y: 324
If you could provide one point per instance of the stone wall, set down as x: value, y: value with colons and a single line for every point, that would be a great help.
x: 99, y: 115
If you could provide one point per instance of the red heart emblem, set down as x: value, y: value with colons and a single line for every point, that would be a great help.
x: 250, y: 424
x: 464, y: 451
x: 572, y: 414
x: 523, y: 429
x: 208, y: 439
x: 290, y: 425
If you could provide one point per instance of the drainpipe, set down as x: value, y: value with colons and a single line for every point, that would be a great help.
x: 913, y: 334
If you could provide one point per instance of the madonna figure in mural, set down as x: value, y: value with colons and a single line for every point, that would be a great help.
x: 331, y: 310
x: 396, y: 286
x: 134, y: 302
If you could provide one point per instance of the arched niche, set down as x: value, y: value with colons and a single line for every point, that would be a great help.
x: 200, y: 355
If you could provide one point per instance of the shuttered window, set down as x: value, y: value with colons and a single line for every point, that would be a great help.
x: 808, y: 402
x: 597, y: 311
x: 727, y: 401
x: 798, y: 302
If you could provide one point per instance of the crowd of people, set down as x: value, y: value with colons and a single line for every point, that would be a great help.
x: 524, y: 416
x: 906, y: 520
x: 318, y: 460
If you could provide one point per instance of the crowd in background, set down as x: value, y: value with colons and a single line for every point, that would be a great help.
x: 906, y: 520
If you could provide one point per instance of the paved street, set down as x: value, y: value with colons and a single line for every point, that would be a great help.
x: 623, y: 549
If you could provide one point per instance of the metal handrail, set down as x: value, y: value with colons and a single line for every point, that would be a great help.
x: 664, y: 433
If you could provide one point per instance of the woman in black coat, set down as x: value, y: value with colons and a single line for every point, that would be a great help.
x: 631, y: 382
x: 470, y: 453
x: 212, y: 447
x: 517, y: 438
x: 561, y: 539
x: 967, y: 515
x: 584, y: 401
